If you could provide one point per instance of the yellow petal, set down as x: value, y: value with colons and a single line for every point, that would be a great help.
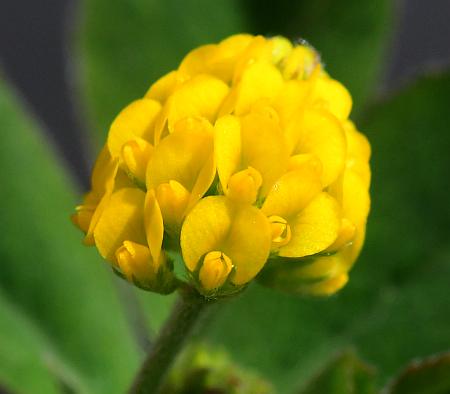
x: 242, y: 232
x: 200, y: 96
x: 263, y: 148
x: 122, y: 219
x: 314, y: 229
x: 258, y: 50
x: 196, y: 61
x: 185, y: 156
x: 217, y: 60
x: 356, y: 199
x: 248, y: 243
x: 165, y: 86
x: 358, y: 153
x: 103, y: 174
x: 292, y: 192
x: 224, y: 61
x: 319, y: 133
x: 327, y: 287
x: 291, y: 99
x: 135, y: 120
x: 154, y: 227
x: 260, y: 80
x: 227, y: 147
x: 333, y: 96
x: 345, y: 236
x: 205, y: 229
x: 204, y: 180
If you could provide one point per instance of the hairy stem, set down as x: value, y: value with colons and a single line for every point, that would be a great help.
x: 173, y: 335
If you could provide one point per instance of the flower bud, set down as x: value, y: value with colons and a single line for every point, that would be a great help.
x: 82, y: 216
x: 135, y: 155
x: 215, y: 270
x: 281, y: 231
x: 300, y: 62
x: 244, y: 185
x: 173, y: 199
x: 136, y: 264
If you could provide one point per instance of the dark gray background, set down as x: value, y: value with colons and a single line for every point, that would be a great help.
x: 33, y: 55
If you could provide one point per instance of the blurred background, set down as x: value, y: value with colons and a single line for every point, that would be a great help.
x: 76, y: 64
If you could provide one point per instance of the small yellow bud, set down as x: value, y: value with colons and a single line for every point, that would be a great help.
x: 282, y: 47
x: 82, y: 216
x: 215, y: 270
x: 135, y: 155
x: 300, y: 63
x: 244, y: 185
x: 281, y: 231
x: 173, y: 199
x: 135, y: 262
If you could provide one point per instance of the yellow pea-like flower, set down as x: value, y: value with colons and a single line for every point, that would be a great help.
x: 242, y: 162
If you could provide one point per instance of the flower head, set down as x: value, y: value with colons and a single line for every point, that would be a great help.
x: 244, y: 162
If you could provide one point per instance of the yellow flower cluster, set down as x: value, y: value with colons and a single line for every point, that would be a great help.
x: 244, y: 162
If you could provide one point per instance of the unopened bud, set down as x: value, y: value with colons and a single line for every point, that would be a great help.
x: 215, y: 270
x: 244, y: 185
x: 281, y: 231
x: 136, y: 154
x: 282, y: 47
x: 300, y: 63
x: 136, y: 263
x: 137, y: 266
x: 173, y: 199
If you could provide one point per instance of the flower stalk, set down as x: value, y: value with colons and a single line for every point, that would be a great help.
x: 185, y: 315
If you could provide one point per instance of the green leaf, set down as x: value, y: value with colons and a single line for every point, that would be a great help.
x: 430, y: 375
x: 352, y: 36
x: 345, y: 374
x: 125, y: 46
x: 21, y: 353
x: 395, y: 306
x: 55, y: 289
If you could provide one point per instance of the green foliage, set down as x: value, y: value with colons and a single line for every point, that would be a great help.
x: 58, y: 302
x: 431, y: 376
x: 345, y: 374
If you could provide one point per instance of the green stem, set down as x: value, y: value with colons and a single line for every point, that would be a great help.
x: 185, y: 314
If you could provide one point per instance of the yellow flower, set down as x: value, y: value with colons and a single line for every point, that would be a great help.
x: 240, y: 164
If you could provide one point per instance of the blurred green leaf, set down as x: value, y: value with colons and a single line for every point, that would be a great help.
x: 21, y: 353
x: 59, y: 296
x: 124, y: 46
x: 352, y: 36
x: 395, y: 306
x: 345, y: 374
x: 431, y: 376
